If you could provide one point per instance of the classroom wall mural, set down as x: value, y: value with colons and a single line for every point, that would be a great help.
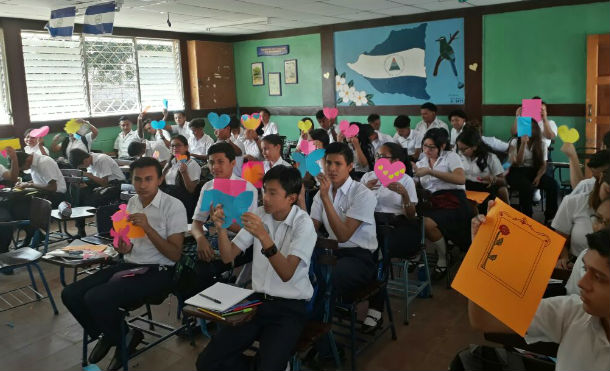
x: 401, y: 65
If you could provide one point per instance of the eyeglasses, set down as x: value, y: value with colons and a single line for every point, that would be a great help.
x: 429, y: 147
x: 379, y: 155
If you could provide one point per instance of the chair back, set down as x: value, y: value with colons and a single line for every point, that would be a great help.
x: 40, y: 219
x: 102, y: 218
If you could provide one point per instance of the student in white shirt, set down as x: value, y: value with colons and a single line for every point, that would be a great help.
x: 280, y: 234
x: 125, y: 137
x: 483, y: 170
x: 268, y: 127
x: 362, y: 149
x: 182, y: 126
x: 182, y: 176
x: 237, y: 131
x: 597, y: 164
x: 272, y: 151
x: 409, y: 139
x: 328, y: 125
x: 147, y: 270
x: 548, y: 128
x: 252, y: 146
x: 221, y: 162
x: 429, y: 119
x: 377, y: 137
x: 224, y: 136
x: 145, y: 126
x: 34, y: 145
x: 580, y: 325
x: 199, y: 142
x: 84, y: 139
x: 149, y: 148
x: 528, y: 172
x: 441, y: 173
x: 304, y: 135
x: 458, y: 119
x: 346, y: 209
x: 6, y: 214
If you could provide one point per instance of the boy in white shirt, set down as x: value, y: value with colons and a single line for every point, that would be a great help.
x: 328, y: 125
x: 149, y: 148
x: 34, y: 145
x: 252, y: 146
x: 378, y: 138
x: 125, y: 137
x: 182, y: 126
x: 272, y: 151
x: 458, y: 120
x: 147, y: 271
x: 199, y: 141
x: 224, y: 136
x: 429, y: 119
x: 409, y: 139
x: 269, y: 127
x: 280, y: 234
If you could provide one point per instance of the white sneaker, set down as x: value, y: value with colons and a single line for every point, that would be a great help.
x: 537, y: 196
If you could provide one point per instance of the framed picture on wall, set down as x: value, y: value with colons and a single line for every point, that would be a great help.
x: 291, y: 73
x: 258, y: 74
x: 275, y: 83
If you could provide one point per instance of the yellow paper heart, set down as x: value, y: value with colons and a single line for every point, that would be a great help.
x: 251, y: 123
x: 304, y: 126
x: 72, y: 126
x: 385, y: 172
x: 568, y: 135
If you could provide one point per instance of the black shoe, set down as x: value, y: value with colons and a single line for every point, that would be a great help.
x: 100, y: 350
x: 81, y: 233
x: 134, y: 337
x: 438, y: 273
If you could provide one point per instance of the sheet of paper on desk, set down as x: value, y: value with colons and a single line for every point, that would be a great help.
x: 228, y: 295
x: 85, y: 246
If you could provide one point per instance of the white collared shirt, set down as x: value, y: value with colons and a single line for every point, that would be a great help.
x: 44, y: 169
x: 167, y: 216
x: 583, y: 344
x: 578, y: 271
x: 202, y: 215
x: 153, y: 146
x: 193, y: 169
x: 382, y: 138
x: 454, y: 134
x: 553, y: 126
x: 473, y: 172
x: 35, y: 149
x: 389, y: 201
x: 104, y: 166
x: 185, y: 131
x: 267, y: 164
x: 528, y: 155
x: 584, y: 186
x: 292, y: 236
x: 270, y: 128
x: 447, y: 162
x: 410, y: 143
x: 422, y: 127
x: 122, y: 142
x: 200, y: 146
x: 352, y: 200
x: 166, y: 135
x: 74, y: 143
x: 251, y: 147
x: 329, y: 131
x: 573, y: 218
x: 496, y: 144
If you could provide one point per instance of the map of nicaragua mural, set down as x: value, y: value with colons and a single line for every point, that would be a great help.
x: 401, y: 65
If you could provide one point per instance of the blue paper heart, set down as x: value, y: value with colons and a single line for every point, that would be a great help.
x: 309, y: 163
x: 158, y: 124
x: 218, y: 122
x: 233, y: 207
x: 165, y: 103
x: 524, y: 126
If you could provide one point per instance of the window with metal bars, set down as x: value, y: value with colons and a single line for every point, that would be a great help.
x: 107, y: 75
x: 5, y: 106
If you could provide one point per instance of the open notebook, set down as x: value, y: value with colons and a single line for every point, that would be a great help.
x: 228, y: 296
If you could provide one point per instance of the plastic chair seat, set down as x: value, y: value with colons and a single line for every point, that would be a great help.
x: 15, y: 258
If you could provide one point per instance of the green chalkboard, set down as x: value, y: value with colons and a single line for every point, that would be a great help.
x: 539, y: 52
x: 305, y: 49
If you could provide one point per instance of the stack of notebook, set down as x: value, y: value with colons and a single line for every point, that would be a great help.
x: 221, y: 300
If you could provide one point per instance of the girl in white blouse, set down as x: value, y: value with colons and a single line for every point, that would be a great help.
x: 182, y: 176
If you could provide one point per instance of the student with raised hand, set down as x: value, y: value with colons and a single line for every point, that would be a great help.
x: 268, y: 127
x: 528, y: 172
x: 83, y: 142
x: 441, y: 173
x: 429, y: 119
x: 328, y: 125
x: 409, y: 139
x: 221, y: 161
x: 362, y: 148
x: 483, y: 170
x: 548, y: 128
x: 125, y: 137
x: 182, y: 177
x: 34, y: 145
x: 182, y: 126
x: 598, y: 163
x: 159, y: 135
x: 304, y: 135
x: 458, y: 120
x: 147, y: 270
x: 272, y: 151
x: 280, y: 234
x: 199, y: 142
x: 580, y: 325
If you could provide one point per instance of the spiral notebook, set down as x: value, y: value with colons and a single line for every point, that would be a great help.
x: 227, y: 295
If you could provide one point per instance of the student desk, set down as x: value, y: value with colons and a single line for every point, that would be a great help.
x: 81, y: 212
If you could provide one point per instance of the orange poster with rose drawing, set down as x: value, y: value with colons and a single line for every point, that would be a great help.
x: 508, y: 266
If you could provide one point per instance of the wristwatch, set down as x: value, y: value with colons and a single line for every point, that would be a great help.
x: 270, y: 251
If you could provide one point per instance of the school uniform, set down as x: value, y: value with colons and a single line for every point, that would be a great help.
x: 389, y: 201
x: 95, y: 299
x: 35, y: 149
x: 578, y: 271
x: 553, y: 126
x: 44, y: 170
x: 203, y: 215
x: 573, y: 218
x: 410, y: 143
x: 200, y: 146
x: 166, y: 135
x: 74, y: 143
x: 239, y: 159
x: 382, y: 138
x: 496, y: 144
x: 583, y: 344
x: 104, y: 166
x: 280, y: 162
x: 175, y: 184
x: 270, y: 128
x: 183, y: 130
x: 122, y: 142
x: 422, y: 127
x: 193, y: 169
x: 358, y: 167
x: 473, y: 173
x: 251, y: 149
x: 158, y: 147
x: 278, y: 322
x: 332, y: 133
x: 584, y: 186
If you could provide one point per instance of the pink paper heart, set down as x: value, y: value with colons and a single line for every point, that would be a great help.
x: 330, y: 113
x: 348, y: 130
x: 40, y: 132
x: 307, y: 146
x: 389, y: 172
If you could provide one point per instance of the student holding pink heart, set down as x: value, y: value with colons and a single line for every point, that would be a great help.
x: 361, y: 146
x: 34, y: 145
x: 328, y: 125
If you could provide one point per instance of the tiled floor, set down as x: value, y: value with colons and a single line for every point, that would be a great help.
x: 33, y: 338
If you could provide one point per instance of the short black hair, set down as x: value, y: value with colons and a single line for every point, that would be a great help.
x: 180, y: 113
x: 146, y: 162
x: 234, y: 123
x: 598, y: 241
x: 289, y: 178
x: 537, y: 97
x: 372, y: 117
x: 197, y: 123
x: 222, y: 147
x: 25, y: 133
x: 342, y: 149
x: 77, y: 156
x: 123, y: 118
x: 458, y: 113
x: 439, y: 136
x: 402, y: 121
x: 266, y: 111
x: 320, y: 135
x: 320, y: 115
x: 21, y: 157
x: 599, y: 159
x: 274, y: 139
x: 606, y: 140
x: 429, y: 106
x: 136, y: 148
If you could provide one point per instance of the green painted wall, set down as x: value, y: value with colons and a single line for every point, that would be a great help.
x: 539, y: 52
x: 305, y: 49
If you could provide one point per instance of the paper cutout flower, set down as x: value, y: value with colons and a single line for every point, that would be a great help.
x: 504, y: 230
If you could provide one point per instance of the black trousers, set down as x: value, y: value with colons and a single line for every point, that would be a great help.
x: 277, y: 326
x: 92, y: 196
x: 521, y: 178
x: 95, y: 302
